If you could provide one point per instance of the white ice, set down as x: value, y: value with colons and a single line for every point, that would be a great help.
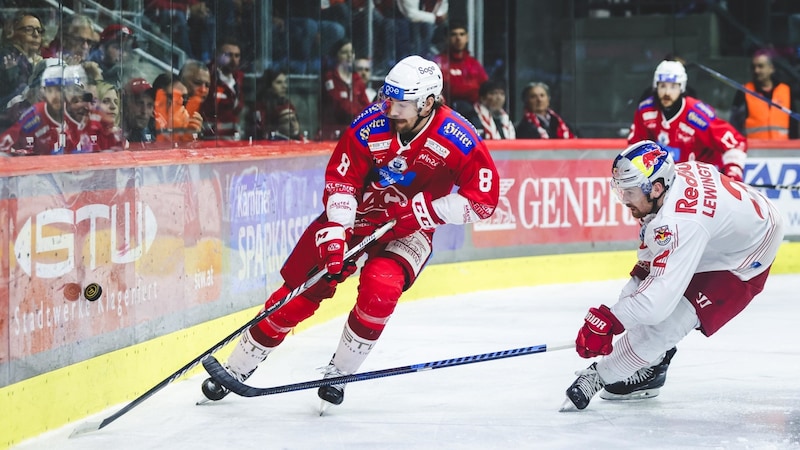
x: 735, y: 390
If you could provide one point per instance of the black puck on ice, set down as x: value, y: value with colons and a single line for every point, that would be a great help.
x: 92, y: 292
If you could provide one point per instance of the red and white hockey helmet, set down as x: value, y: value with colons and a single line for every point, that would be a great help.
x: 413, y: 78
x: 670, y: 72
x: 639, y: 165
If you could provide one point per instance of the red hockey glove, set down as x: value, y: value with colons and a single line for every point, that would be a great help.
x: 413, y: 215
x: 733, y: 171
x: 330, y: 241
x: 594, y: 338
x: 348, y: 268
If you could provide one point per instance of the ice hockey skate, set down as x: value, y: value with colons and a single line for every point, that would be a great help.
x: 243, y: 361
x: 580, y: 393
x: 645, y: 383
x: 333, y: 394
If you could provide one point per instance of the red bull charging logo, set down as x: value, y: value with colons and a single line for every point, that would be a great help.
x: 662, y: 235
x: 648, y: 160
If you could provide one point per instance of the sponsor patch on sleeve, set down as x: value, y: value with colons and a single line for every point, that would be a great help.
x: 697, y: 120
x: 461, y: 135
x: 706, y: 110
x: 379, y: 124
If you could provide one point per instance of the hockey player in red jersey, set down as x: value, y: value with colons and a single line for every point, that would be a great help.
x: 687, y: 127
x: 707, y: 245
x: 399, y: 159
x: 63, y: 123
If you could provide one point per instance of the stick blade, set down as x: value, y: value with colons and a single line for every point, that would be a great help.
x: 84, y: 428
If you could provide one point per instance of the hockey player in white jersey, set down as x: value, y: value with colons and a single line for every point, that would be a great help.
x: 707, y: 245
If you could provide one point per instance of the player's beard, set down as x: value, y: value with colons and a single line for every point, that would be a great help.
x: 667, y: 101
x: 403, y: 126
x: 636, y: 212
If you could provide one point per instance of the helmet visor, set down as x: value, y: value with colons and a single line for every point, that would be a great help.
x: 626, y: 194
x: 397, y: 109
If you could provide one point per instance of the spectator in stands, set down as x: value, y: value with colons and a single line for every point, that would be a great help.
x: 287, y: 127
x: 20, y: 52
x: 137, y: 116
x: 174, y: 120
x: 419, y: 20
x: 757, y: 119
x: 196, y: 79
x: 108, y: 109
x: 463, y: 74
x: 540, y: 121
x: 271, y: 96
x: 221, y: 109
x: 79, y: 38
x: 383, y: 33
x: 344, y: 94
x: 62, y: 123
x: 172, y: 18
x: 301, y: 29
x: 202, y: 23
x: 489, y: 116
x: 115, y: 55
x: 363, y: 67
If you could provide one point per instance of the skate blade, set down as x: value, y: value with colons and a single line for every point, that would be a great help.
x: 324, y: 407
x: 568, y: 406
x: 638, y: 395
x: 203, y: 401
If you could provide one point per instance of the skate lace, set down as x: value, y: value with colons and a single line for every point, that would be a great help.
x: 588, y: 382
x: 242, y: 377
x: 331, y: 371
x: 640, y: 376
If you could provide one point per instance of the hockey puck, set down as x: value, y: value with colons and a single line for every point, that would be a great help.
x: 72, y: 291
x: 92, y: 292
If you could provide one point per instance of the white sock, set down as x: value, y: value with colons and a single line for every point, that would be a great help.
x: 352, y: 351
x: 247, y: 355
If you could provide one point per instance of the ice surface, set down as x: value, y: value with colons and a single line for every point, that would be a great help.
x: 738, y: 389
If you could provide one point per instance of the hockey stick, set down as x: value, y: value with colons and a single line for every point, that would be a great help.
x: 358, y: 248
x: 221, y: 375
x: 790, y: 187
x: 741, y: 87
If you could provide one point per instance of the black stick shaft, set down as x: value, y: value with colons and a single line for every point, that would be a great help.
x: 221, y: 375
x: 358, y: 248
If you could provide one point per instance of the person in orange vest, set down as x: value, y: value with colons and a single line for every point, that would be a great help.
x: 756, y: 118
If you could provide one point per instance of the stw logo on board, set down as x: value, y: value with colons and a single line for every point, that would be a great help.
x: 45, y: 249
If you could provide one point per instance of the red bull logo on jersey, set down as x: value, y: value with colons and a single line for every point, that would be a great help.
x: 662, y: 235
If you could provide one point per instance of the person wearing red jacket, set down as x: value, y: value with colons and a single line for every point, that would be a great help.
x: 463, y: 74
x: 407, y: 158
x: 688, y: 128
x: 62, y: 124
x: 225, y: 101
x: 344, y: 93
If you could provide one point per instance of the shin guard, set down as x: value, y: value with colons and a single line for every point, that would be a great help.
x: 247, y: 355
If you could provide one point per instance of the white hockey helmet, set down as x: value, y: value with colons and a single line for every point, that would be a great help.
x: 670, y: 72
x: 75, y: 75
x: 61, y: 75
x: 413, y: 78
x: 639, y: 165
x: 53, y: 76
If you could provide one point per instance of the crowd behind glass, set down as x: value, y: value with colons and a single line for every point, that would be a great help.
x: 68, y: 85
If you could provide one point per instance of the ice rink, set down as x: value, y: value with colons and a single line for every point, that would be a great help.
x: 736, y: 390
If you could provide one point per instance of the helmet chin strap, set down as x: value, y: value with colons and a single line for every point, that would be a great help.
x: 655, y: 207
x: 420, y: 117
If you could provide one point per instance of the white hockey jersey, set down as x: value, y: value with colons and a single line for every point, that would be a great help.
x: 708, y: 222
